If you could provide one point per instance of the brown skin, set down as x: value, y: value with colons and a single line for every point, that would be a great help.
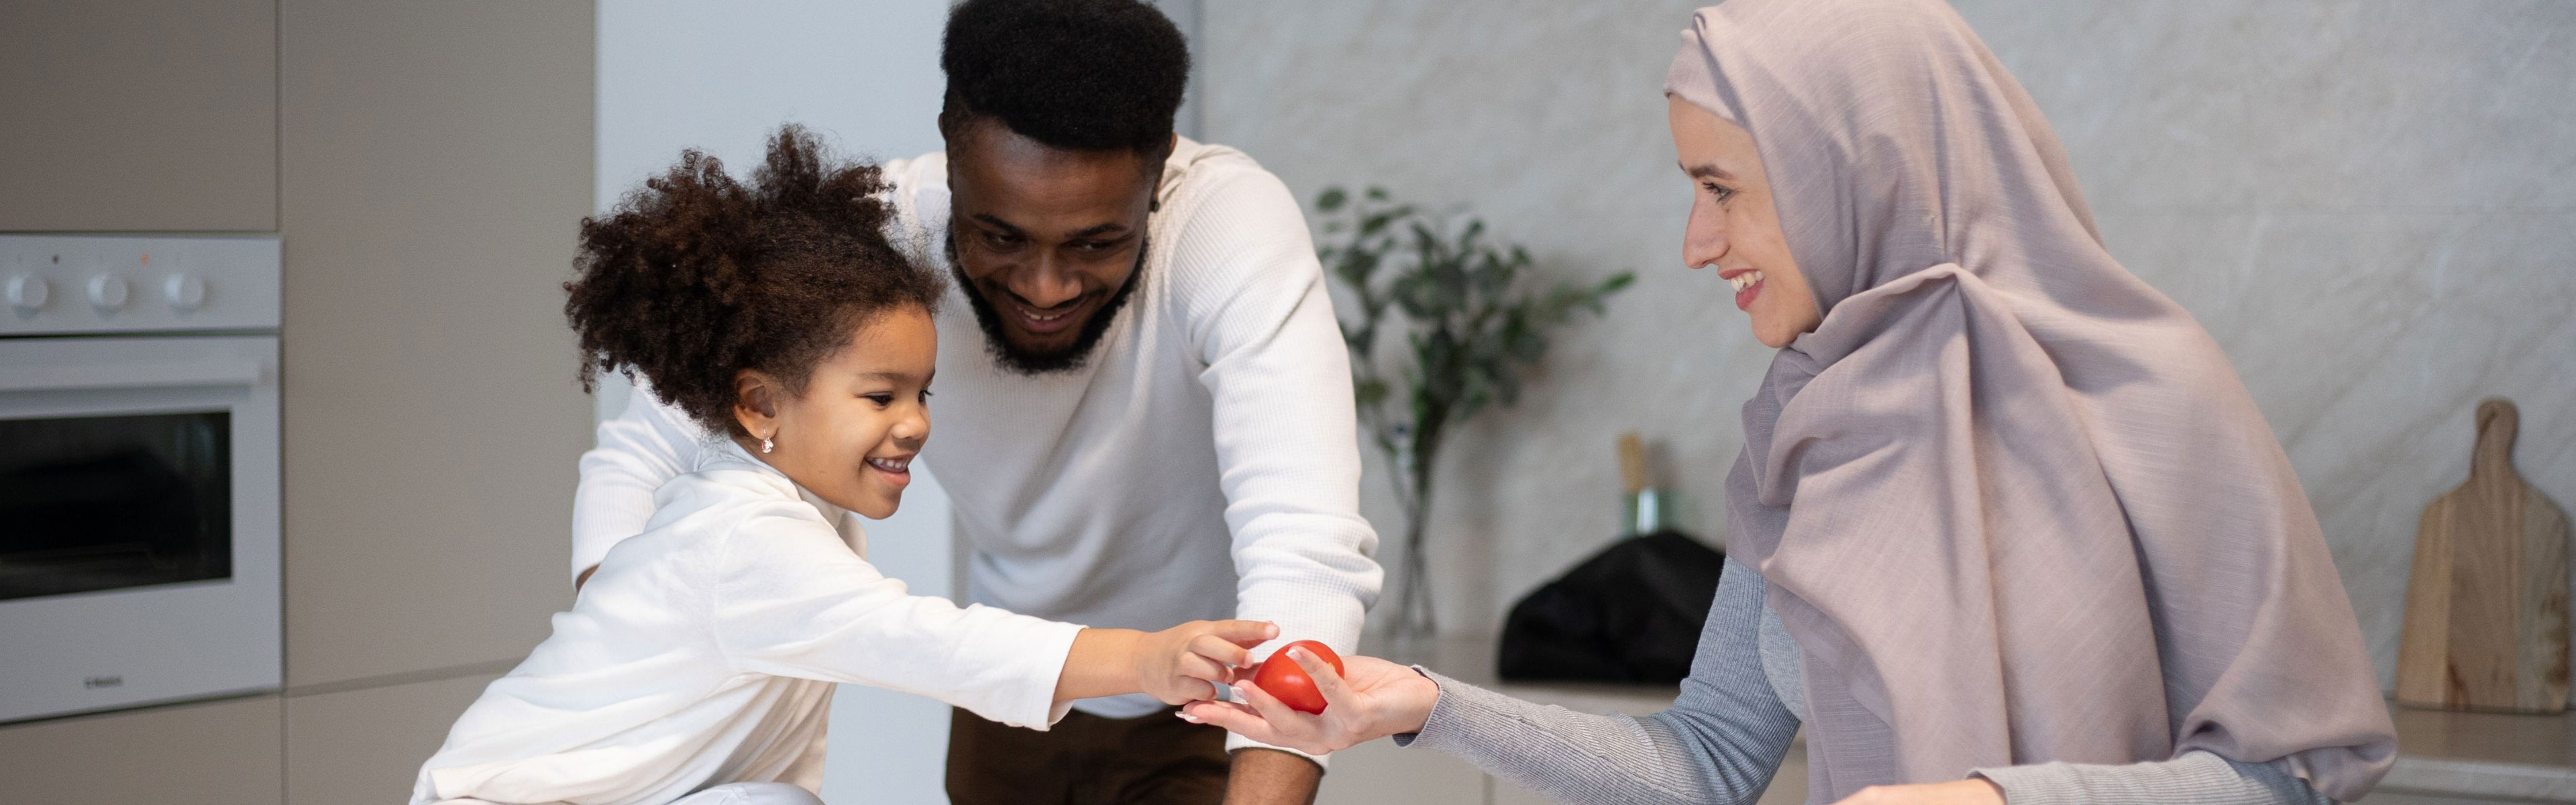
x: 1048, y: 235
x: 1734, y: 227
x: 849, y: 437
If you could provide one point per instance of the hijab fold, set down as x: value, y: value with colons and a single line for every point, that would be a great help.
x: 2037, y: 516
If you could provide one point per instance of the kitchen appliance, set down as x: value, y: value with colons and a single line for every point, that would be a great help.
x: 138, y: 471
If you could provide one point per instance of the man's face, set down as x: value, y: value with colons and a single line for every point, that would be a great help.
x: 1045, y: 239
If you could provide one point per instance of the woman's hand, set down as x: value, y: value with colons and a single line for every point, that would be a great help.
x: 1371, y: 699
x: 1977, y: 791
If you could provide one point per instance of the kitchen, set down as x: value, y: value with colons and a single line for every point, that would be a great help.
x: 2354, y: 198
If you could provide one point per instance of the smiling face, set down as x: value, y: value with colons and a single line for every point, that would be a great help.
x: 850, y: 436
x: 1046, y: 239
x: 1734, y: 227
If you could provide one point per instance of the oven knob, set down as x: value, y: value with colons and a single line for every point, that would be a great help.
x: 107, y: 291
x: 185, y: 291
x: 29, y: 293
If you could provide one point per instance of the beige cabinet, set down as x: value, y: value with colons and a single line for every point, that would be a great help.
x: 367, y: 744
x: 437, y: 168
x: 427, y: 166
x: 222, y: 753
x: 139, y: 115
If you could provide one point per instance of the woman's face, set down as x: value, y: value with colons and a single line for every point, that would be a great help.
x: 1734, y: 228
x: 850, y: 437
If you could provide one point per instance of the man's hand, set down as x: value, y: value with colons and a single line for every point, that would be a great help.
x: 1371, y: 699
x: 1271, y: 777
x: 1185, y: 663
x: 1978, y: 791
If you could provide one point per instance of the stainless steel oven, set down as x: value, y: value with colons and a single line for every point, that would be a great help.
x: 139, y: 497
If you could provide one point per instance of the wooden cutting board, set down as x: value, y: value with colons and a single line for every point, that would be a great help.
x: 2486, y: 609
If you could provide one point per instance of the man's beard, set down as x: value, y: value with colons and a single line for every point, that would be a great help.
x: 1029, y: 362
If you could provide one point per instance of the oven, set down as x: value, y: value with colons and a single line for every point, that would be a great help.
x: 139, y: 483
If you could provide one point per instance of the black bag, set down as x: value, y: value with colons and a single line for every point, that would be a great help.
x: 1631, y: 613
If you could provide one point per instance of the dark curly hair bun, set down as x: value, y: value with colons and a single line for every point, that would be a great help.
x: 1091, y: 75
x: 696, y: 277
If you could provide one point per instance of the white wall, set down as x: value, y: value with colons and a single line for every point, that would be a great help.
x: 720, y: 77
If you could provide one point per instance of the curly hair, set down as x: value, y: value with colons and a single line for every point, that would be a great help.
x: 695, y: 277
x: 1090, y: 75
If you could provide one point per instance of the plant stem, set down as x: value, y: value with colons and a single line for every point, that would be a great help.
x: 1414, y: 616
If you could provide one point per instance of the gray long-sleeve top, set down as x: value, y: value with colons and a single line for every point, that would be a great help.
x: 1724, y: 736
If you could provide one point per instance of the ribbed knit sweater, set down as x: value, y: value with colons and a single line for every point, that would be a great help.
x: 1725, y: 735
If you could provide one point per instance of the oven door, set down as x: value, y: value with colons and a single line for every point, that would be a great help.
x: 138, y: 521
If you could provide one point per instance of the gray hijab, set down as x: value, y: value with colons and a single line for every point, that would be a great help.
x: 2014, y: 505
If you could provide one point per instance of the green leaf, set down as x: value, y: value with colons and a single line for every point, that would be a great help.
x: 1424, y: 240
x: 1370, y: 392
x: 1358, y: 267
x: 1412, y: 295
x: 1473, y: 330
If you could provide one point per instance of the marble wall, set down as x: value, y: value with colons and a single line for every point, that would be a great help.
x: 2368, y: 202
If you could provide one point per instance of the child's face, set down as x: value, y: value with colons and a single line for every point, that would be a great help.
x: 851, y: 436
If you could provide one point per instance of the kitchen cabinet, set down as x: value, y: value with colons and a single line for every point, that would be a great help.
x: 219, y: 753
x: 139, y: 115
x: 367, y: 744
x: 437, y: 168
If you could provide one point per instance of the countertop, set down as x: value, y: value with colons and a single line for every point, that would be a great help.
x: 2485, y: 754
x: 2439, y: 752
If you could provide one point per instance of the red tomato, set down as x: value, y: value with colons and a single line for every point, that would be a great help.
x: 1284, y: 678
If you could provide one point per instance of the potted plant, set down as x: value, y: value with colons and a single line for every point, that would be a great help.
x: 1470, y: 321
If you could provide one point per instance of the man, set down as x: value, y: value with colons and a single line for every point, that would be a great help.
x: 1143, y: 412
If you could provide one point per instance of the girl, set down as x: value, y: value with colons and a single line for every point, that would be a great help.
x: 698, y: 663
x: 2006, y: 524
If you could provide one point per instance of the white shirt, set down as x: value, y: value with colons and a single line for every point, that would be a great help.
x: 705, y: 651
x: 1203, y: 463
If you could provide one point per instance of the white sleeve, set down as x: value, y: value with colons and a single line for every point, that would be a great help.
x: 1287, y: 439
x: 638, y: 451
x: 791, y: 599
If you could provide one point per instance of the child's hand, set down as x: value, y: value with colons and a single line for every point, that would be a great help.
x: 1185, y: 663
x: 1372, y: 699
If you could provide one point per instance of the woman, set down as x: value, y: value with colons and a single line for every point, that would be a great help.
x: 2006, y: 524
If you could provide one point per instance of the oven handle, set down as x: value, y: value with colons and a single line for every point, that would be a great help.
x: 133, y: 376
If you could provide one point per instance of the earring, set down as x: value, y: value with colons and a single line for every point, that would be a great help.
x: 766, y: 445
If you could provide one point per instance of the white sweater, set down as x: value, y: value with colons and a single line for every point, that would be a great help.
x: 705, y: 651
x: 1204, y: 463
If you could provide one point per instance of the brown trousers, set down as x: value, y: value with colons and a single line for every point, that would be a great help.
x: 1087, y: 760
